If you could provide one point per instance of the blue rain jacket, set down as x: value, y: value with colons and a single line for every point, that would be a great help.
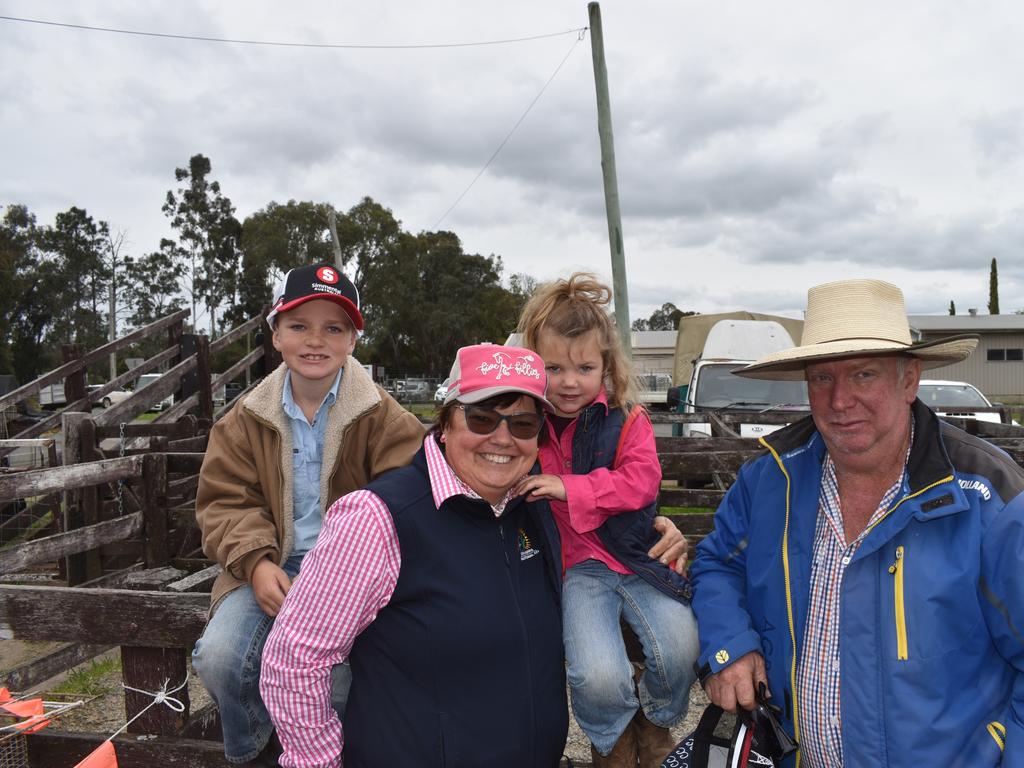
x: 932, y: 606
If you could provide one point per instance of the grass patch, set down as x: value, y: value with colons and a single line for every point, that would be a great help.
x: 31, y: 530
x: 425, y: 411
x: 669, y: 511
x: 91, y: 679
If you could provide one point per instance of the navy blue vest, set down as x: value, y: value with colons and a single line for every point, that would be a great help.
x: 630, y: 535
x: 464, y: 666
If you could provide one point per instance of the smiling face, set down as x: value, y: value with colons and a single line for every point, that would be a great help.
x: 490, y: 464
x: 315, y: 339
x: 575, y: 368
x: 861, y: 406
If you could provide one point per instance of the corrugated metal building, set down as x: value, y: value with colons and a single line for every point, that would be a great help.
x: 653, y: 351
x: 997, y: 365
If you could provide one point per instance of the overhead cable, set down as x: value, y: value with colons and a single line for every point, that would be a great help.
x: 234, y: 41
x: 581, y: 34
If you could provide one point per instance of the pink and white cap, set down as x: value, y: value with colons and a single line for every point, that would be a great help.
x: 485, y: 370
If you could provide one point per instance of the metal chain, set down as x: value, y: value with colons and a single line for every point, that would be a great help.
x: 120, y: 483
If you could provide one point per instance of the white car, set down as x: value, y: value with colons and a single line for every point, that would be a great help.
x: 147, y: 379
x: 441, y: 392
x: 113, y: 397
x: 957, y: 399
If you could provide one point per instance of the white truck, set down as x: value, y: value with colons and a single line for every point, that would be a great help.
x: 728, y: 342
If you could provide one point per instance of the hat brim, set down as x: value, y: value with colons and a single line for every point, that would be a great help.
x: 350, y: 309
x: 487, y: 392
x: 789, y: 364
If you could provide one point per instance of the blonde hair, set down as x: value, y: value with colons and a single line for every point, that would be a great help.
x: 571, y: 308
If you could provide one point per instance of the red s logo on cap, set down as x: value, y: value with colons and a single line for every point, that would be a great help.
x: 327, y: 275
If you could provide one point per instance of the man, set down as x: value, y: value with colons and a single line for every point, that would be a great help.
x: 870, y: 567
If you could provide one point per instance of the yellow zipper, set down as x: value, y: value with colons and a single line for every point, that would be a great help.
x: 789, y: 599
x: 896, y: 569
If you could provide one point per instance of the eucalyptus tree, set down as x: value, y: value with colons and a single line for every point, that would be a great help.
x: 208, y: 238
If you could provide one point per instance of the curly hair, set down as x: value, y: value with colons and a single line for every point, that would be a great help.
x: 572, y: 307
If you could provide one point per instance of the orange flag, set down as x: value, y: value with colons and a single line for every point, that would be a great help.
x: 101, y: 757
x: 27, y: 708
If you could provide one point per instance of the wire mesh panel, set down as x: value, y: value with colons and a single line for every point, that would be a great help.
x: 13, y: 751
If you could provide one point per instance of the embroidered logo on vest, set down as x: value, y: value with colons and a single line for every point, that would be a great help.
x: 526, y: 549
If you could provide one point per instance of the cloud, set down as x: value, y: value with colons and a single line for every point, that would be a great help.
x: 998, y: 140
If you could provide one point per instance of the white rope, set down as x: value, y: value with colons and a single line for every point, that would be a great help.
x: 163, y: 696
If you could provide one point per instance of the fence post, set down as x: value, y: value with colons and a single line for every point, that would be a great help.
x: 89, y: 497
x: 198, y: 379
x: 74, y: 383
x: 155, y: 549
x: 149, y: 668
x: 75, y: 571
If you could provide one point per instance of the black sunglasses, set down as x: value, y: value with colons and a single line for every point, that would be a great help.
x: 483, y: 421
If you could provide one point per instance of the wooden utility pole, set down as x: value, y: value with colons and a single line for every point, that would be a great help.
x: 611, y: 182
x: 332, y: 222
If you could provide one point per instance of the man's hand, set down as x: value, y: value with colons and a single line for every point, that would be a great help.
x: 737, y: 683
x: 672, y: 546
x: 269, y: 585
x: 541, y: 487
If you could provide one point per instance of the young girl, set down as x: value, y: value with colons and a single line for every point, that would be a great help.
x: 601, y: 475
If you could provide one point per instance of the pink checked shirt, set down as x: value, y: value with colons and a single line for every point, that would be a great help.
x: 594, y: 497
x: 346, y: 579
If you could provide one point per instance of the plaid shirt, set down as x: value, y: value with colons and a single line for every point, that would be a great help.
x: 818, y: 671
x: 357, y: 556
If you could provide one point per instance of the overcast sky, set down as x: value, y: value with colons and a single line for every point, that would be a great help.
x: 761, y: 147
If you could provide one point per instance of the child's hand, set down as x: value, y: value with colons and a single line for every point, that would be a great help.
x: 541, y: 487
x: 269, y: 585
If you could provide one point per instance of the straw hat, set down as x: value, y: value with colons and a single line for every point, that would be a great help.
x: 856, y: 318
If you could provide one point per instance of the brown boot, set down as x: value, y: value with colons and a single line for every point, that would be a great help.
x: 623, y: 754
x: 653, y: 743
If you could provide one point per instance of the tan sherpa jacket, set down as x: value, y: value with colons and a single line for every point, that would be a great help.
x: 245, y: 496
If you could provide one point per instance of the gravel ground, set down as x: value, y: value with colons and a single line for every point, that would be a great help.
x: 578, y: 746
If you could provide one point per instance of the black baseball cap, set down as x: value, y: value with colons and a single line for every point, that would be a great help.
x: 318, y: 281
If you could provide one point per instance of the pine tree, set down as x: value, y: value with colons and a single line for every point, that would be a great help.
x: 993, y: 289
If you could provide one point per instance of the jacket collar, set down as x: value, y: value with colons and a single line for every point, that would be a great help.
x: 928, y: 464
x: 356, y: 394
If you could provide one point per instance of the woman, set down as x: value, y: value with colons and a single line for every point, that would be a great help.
x: 450, y: 613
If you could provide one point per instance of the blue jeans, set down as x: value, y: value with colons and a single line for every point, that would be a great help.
x: 604, y: 697
x: 227, y: 659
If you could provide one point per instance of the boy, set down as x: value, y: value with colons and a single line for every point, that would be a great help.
x: 312, y: 431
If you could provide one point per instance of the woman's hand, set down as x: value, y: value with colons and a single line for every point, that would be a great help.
x: 269, y: 585
x: 541, y: 487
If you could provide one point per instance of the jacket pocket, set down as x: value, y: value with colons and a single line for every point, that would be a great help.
x: 897, y: 570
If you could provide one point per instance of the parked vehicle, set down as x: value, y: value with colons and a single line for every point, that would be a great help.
x: 960, y: 400
x: 145, y: 380
x: 653, y: 390
x: 412, y: 390
x: 111, y: 398
x: 52, y: 396
x: 441, y: 392
x: 227, y: 393
x: 729, y: 344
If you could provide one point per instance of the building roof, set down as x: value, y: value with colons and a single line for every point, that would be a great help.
x: 654, y: 339
x: 967, y: 323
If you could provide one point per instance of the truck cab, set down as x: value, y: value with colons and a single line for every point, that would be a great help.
x: 714, y: 387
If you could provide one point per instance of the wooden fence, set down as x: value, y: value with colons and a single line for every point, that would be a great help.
x: 132, y: 576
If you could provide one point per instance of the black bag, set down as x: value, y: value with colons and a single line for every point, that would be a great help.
x: 757, y: 739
